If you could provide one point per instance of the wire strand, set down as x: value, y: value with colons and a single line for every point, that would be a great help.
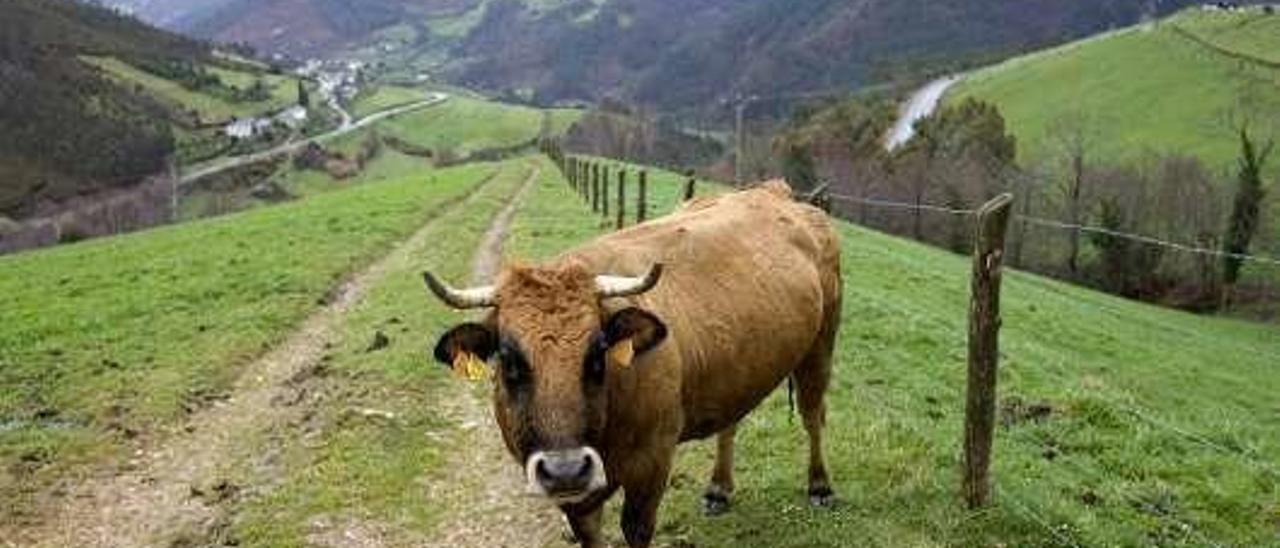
x: 903, y: 205
x: 1145, y: 239
x: 1049, y: 223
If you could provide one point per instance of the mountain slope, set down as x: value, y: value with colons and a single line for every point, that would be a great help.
x: 58, y: 114
x: 667, y: 52
x: 1146, y: 89
x: 1121, y: 424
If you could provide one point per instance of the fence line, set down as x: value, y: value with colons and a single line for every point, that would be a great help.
x: 1049, y: 223
x: 1146, y: 240
x: 903, y: 205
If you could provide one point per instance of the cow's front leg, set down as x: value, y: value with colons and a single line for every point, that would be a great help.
x: 643, y: 495
x: 584, y: 519
x: 585, y: 527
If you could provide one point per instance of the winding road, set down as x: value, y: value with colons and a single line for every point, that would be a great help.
x: 921, y: 103
x: 217, y: 166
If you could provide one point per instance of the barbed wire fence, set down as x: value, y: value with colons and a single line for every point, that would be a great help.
x: 1050, y: 223
x: 1054, y: 526
x: 1162, y: 269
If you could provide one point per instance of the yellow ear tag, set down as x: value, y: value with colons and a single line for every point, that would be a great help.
x: 468, y: 366
x: 622, y: 353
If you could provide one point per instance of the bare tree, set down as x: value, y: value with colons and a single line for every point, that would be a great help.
x: 1073, y: 135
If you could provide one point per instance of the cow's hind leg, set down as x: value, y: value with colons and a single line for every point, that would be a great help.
x: 812, y: 378
x: 715, y: 500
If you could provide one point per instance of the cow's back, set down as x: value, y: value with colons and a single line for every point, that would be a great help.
x: 750, y: 279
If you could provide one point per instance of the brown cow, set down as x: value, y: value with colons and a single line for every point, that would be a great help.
x: 600, y: 376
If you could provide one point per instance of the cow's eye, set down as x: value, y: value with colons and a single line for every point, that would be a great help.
x: 593, y: 364
x: 515, y: 371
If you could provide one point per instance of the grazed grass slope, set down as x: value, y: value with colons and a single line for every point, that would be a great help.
x: 465, y: 124
x: 1121, y: 423
x: 384, y: 97
x: 370, y: 461
x: 1250, y: 32
x: 1146, y: 89
x: 211, y: 108
x: 115, y: 338
x: 462, y: 124
x: 382, y: 420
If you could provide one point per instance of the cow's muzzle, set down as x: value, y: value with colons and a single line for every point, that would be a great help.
x: 566, y: 475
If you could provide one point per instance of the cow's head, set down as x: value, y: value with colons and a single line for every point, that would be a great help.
x: 554, y: 339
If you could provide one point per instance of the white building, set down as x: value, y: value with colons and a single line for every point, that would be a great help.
x: 240, y: 129
x: 294, y: 116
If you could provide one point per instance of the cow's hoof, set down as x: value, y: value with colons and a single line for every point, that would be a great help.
x: 822, y: 497
x: 714, y: 504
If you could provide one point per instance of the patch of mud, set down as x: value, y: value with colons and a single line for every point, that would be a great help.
x: 1015, y: 410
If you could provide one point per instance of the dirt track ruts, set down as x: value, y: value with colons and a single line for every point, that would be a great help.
x: 169, y: 492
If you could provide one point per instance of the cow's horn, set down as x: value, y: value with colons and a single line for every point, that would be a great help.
x: 474, y: 297
x: 626, y: 286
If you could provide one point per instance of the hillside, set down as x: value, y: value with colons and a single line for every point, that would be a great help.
x: 1121, y: 423
x: 96, y: 103
x: 666, y: 52
x: 57, y: 114
x: 463, y: 128
x: 1148, y: 89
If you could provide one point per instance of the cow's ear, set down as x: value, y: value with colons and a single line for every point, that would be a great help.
x: 631, y: 332
x: 477, y: 339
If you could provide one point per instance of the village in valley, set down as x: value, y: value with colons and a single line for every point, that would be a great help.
x: 336, y: 82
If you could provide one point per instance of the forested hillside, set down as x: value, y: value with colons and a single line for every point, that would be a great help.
x: 666, y: 52
x: 67, y: 129
x: 1161, y: 131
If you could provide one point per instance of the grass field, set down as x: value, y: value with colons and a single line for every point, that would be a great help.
x: 1121, y: 424
x: 461, y: 123
x: 466, y: 124
x: 1250, y: 33
x: 385, y: 97
x: 1147, y: 89
x: 211, y: 108
x: 1159, y: 426
x: 367, y: 465
x: 120, y: 337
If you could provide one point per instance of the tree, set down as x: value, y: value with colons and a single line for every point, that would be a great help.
x: 1073, y: 134
x: 797, y: 168
x: 304, y: 97
x: 1244, y: 212
x: 258, y: 91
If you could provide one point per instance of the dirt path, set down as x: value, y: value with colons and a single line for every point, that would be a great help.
x: 170, y: 494
x: 484, y: 487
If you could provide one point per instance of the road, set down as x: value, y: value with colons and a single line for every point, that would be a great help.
x: 217, y: 166
x: 921, y: 103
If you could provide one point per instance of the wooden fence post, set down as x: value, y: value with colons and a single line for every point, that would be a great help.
x: 604, y: 192
x: 984, y: 328
x: 689, y: 186
x: 642, y: 198
x: 622, y: 199
x: 595, y: 187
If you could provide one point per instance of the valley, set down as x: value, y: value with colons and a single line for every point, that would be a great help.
x: 223, y: 337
